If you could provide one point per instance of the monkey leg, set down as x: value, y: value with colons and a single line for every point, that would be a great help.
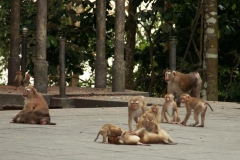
x: 196, y: 119
x: 168, y: 119
x: 104, y: 134
x: 202, y: 118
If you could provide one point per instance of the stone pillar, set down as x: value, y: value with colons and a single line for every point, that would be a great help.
x: 14, y: 60
x: 24, y: 51
x: 172, y: 52
x: 118, y: 84
x: 62, y: 44
x: 101, y: 63
x: 41, y: 65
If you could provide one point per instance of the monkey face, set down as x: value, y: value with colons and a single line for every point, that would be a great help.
x: 167, y: 76
x: 134, y: 105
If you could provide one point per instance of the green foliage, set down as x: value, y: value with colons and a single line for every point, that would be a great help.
x: 161, y: 18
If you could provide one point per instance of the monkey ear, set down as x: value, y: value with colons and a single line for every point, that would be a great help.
x: 174, y: 73
x: 34, y: 91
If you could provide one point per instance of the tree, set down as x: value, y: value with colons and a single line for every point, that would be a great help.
x: 210, y: 56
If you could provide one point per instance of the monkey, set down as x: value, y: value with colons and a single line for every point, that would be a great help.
x: 109, y: 130
x: 26, y: 80
x: 155, y: 110
x: 35, y: 109
x: 126, y: 138
x: 151, y: 138
x: 136, y: 107
x: 179, y: 83
x: 170, y: 110
x: 147, y: 121
x: 33, y: 117
x: 198, y: 106
x: 18, y: 80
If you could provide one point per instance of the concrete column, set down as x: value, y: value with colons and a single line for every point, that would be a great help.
x: 101, y: 63
x: 172, y: 52
x: 118, y: 84
x: 62, y: 44
x: 14, y: 60
x: 41, y: 65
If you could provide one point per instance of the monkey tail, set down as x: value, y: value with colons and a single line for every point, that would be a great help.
x: 209, y: 105
x: 97, y: 137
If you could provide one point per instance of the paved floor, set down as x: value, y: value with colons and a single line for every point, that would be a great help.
x: 72, y: 137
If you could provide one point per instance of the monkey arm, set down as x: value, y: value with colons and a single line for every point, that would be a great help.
x: 130, y: 119
x: 162, y: 114
x: 167, y: 117
x: 187, y: 116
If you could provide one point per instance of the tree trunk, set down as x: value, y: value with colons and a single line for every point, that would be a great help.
x: 130, y: 46
x: 210, y: 56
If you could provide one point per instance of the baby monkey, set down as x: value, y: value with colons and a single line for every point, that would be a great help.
x: 170, y: 110
x: 109, y: 130
x: 155, y: 110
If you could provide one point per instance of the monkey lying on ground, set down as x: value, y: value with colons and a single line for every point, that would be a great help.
x: 109, y: 130
x: 35, y: 110
x: 136, y: 107
x: 198, y: 106
x: 152, y: 138
x: 170, y: 110
x: 142, y: 137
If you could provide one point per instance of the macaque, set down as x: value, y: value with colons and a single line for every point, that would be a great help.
x: 18, y: 79
x: 35, y: 110
x: 109, y: 130
x: 127, y: 138
x: 198, y: 106
x: 151, y: 138
x: 136, y: 107
x: 179, y: 83
x: 147, y: 121
x: 26, y: 80
x: 155, y: 110
x: 170, y: 110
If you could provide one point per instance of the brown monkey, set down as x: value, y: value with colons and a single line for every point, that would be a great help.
x: 179, y: 83
x: 198, y: 106
x: 18, y: 79
x: 147, y: 121
x: 155, y: 110
x: 26, y: 80
x: 151, y: 138
x: 35, y: 110
x: 33, y: 117
x: 170, y: 110
x: 109, y: 130
x: 127, y: 138
x: 136, y: 107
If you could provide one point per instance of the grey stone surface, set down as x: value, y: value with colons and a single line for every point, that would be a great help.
x: 72, y: 137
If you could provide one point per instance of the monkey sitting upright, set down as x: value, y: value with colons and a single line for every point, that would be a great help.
x: 18, y: 80
x: 35, y: 110
x: 170, y: 110
x: 155, y: 110
x: 147, y: 121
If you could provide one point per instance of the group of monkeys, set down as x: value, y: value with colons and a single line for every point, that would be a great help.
x: 186, y: 88
x: 19, y: 80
